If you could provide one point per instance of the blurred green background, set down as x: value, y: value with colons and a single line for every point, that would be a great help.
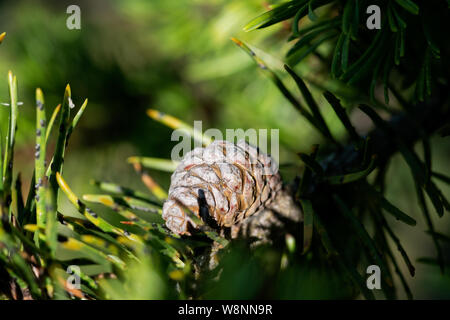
x: 176, y: 56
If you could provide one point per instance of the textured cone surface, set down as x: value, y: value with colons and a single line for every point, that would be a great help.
x: 229, y: 182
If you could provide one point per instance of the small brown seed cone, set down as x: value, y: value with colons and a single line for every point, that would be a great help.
x: 229, y: 182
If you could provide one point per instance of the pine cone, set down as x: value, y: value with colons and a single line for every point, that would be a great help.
x: 222, y: 184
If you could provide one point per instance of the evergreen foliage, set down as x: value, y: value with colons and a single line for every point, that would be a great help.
x: 128, y: 253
